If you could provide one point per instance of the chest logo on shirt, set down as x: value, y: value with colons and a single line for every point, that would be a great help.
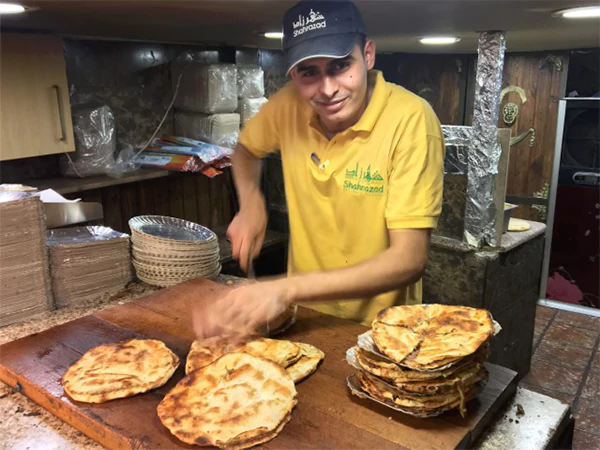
x: 363, y: 180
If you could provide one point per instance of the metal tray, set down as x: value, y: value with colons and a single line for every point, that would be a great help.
x: 171, y: 228
x: 82, y: 235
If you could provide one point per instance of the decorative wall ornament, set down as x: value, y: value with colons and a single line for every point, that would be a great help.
x: 556, y: 61
x: 515, y: 140
x: 510, y: 111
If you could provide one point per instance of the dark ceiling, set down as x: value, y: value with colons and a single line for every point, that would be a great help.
x: 395, y: 25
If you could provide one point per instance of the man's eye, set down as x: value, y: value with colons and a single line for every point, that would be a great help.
x: 309, y: 73
x: 340, y: 65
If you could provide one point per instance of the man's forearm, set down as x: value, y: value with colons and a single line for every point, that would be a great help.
x: 400, y: 265
x: 246, y: 174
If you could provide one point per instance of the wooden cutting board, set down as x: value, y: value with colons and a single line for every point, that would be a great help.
x: 327, y: 415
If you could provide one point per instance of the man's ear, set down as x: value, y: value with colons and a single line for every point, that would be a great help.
x: 370, y: 54
x: 293, y: 73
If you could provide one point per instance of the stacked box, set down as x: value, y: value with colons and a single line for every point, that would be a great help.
x: 24, y: 276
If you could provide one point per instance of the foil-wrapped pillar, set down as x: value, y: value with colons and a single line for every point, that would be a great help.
x: 484, y: 151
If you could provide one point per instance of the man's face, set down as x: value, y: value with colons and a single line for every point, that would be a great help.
x: 336, y: 88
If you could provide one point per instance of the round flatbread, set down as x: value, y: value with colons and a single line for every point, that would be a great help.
x: 307, y: 364
x: 203, y: 353
x: 518, y: 225
x: 238, y: 401
x: 399, y: 376
x: 284, y: 353
x: 119, y: 370
x: 419, y: 406
x: 426, y: 337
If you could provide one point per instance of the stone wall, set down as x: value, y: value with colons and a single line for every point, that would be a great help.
x: 504, y: 282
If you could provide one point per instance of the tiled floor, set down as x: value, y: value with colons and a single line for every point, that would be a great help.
x: 566, y: 366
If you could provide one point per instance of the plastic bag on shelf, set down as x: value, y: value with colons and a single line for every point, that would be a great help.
x: 94, y: 129
x: 207, y: 89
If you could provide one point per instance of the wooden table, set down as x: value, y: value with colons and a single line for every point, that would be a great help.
x: 327, y: 416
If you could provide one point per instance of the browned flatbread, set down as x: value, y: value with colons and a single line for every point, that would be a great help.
x: 284, y: 353
x: 421, y: 404
x: 203, y: 353
x: 426, y: 337
x: 307, y: 364
x: 470, y: 375
x: 395, y: 374
x: 119, y: 370
x: 238, y: 401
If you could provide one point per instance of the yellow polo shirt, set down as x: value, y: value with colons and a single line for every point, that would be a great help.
x: 385, y: 172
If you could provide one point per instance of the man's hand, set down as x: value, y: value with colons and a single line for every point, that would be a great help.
x: 247, y: 229
x: 243, y: 311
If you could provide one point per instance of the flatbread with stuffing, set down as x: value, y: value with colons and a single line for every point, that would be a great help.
x: 426, y: 337
x: 238, y: 401
x: 395, y: 374
x: 203, y: 353
x: 430, y: 405
x: 284, y: 353
x: 119, y: 370
x: 307, y: 364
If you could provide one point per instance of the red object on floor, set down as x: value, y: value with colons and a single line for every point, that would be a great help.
x: 561, y: 289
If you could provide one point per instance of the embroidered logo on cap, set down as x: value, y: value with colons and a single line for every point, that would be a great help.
x: 310, y: 22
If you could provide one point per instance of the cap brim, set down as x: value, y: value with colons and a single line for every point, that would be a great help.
x: 328, y: 46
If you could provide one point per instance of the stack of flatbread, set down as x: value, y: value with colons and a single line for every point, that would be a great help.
x: 423, y: 360
x: 237, y: 395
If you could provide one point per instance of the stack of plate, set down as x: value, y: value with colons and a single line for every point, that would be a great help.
x: 24, y: 278
x: 87, y: 262
x: 168, y: 251
x: 423, y: 360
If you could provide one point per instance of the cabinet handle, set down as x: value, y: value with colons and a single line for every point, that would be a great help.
x: 63, y: 134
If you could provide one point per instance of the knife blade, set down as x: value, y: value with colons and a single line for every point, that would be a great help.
x: 250, y: 263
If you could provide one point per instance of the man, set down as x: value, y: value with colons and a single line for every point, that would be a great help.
x: 363, y: 171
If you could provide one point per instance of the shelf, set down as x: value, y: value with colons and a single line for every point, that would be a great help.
x: 64, y: 185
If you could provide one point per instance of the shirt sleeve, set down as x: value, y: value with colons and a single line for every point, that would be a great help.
x: 260, y: 135
x: 417, y: 176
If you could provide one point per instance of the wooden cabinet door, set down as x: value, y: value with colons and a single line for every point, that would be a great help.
x: 35, y: 115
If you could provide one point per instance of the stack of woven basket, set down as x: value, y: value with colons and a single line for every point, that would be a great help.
x: 167, y: 251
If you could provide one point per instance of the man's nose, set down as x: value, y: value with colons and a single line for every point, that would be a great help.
x: 329, y: 87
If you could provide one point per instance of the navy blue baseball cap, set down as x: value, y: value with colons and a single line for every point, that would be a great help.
x: 320, y: 29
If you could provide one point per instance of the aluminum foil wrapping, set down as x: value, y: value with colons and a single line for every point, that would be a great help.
x: 82, y: 236
x: 484, y: 151
x: 457, y: 140
x: 250, y: 81
x: 95, y: 142
x: 207, y: 89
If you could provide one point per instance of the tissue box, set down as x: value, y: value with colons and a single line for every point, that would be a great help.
x: 207, y: 89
